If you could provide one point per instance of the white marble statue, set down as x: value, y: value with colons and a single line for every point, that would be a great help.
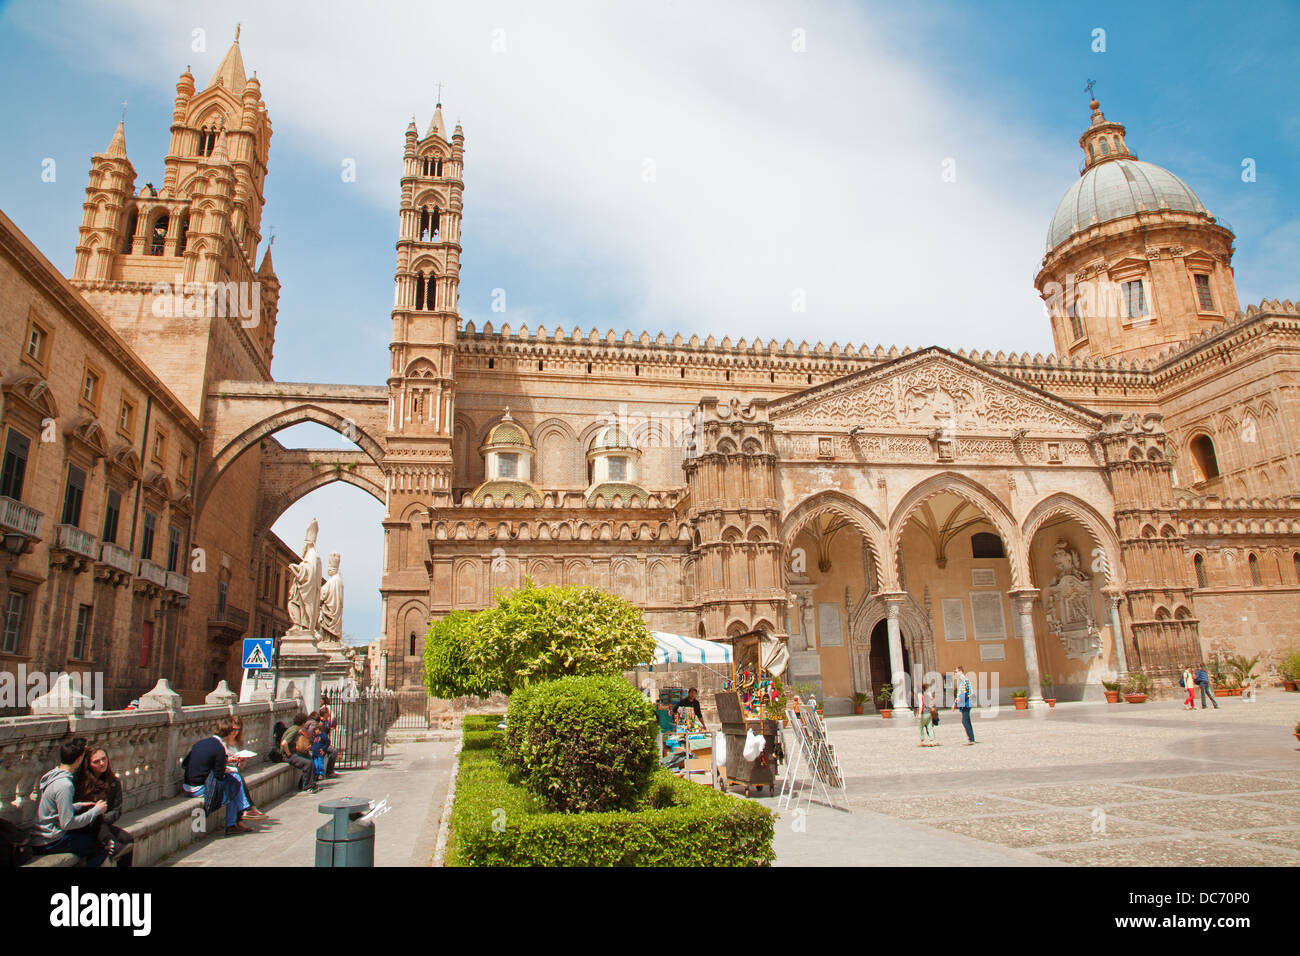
x: 305, y: 593
x: 331, y: 602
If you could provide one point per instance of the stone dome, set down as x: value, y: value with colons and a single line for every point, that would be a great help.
x: 1115, y: 189
x: 507, y: 432
x: 611, y: 438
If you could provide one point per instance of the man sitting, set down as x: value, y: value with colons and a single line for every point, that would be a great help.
x: 206, y: 777
x: 296, y: 747
x: 59, y: 827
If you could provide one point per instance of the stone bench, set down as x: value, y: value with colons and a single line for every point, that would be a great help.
x: 165, y: 826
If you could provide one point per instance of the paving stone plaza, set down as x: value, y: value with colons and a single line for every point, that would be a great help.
x: 1081, y: 785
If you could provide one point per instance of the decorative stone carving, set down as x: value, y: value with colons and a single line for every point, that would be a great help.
x: 304, y: 594
x: 331, y: 602
x: 933, y: 391
x: 1068, y: 605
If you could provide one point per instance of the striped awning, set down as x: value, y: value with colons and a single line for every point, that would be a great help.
x: 676, y: 649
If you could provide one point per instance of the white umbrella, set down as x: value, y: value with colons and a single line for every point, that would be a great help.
x: 676, y: 649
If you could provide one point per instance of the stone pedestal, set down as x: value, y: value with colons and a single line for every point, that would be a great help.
x: 301, y: 665
x: 338, y: 666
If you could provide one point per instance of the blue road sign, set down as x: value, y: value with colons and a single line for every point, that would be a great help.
x: 258, y: 652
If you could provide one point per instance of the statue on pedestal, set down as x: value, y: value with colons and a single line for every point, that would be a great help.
x: 305, y: 592
x: 331, y: 602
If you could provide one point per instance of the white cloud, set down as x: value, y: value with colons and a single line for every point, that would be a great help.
x: 775, y: 170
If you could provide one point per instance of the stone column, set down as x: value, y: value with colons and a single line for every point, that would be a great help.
x: 1023, y: 602
x: 897, y: 674
x: 1113, y: 597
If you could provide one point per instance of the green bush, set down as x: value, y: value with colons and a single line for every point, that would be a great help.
x: 480, y: 739
x: 447, y: 669
x: 481, y: 721
x: 542, y: 633
x: 583, y: 743
x: 674, y: 823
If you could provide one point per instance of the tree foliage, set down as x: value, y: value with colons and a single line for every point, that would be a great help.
x: 447, y: 669
x: 544, y: 633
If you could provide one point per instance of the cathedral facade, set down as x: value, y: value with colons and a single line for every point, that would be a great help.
x: 1128, y: 503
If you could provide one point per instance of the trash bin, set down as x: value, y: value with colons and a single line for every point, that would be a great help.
x: 343, y: 841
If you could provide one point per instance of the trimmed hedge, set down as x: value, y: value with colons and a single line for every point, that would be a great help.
x: 582, y: 744
x: 481, y: 721
x: 676, y: 823
x: 480, y: 739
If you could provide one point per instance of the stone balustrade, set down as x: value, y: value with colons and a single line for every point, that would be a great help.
x: 155, y: 574
x: 117, y: 557
x: 16, y: 516
x: 145, y: 746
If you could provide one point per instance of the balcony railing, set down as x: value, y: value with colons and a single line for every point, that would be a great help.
x: 236, y: 618
x: 117, y: 557
x: 178, y: 583
x: 153, y: 573
x: 70, y: 538
x: 16, y: 516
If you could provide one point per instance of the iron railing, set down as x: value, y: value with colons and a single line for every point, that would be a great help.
x: 361, y: 720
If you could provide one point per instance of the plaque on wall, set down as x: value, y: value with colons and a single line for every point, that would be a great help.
x: 828, y: 625
x: 993, y: 652
x: 986, y: 613
x: 983, y: 578
x: 954, y: 620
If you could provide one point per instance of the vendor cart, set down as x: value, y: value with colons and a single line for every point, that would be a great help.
x: 760, y: 773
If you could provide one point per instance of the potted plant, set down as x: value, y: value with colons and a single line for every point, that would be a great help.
x: 1136, y: 686
x: 885, y: 698
x: 1291, y: 670
x: 1242, y: 670
x: 860, y: 702
x: 1111, y: 690
x: 1020, y: 698
x: 1049, y: 690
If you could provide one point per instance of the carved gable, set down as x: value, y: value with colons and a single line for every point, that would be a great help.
x: 931, y: 389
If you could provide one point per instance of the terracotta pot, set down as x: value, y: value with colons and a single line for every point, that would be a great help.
x: 1135, y: 698
x: 859, y: 708
x: 1051, y: 701
x: 1288, y: 685
x: 886, y: 712
x: 1112, y: 696
x: 1020, y: 702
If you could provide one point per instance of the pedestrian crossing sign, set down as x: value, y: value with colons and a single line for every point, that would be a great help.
x: 258, y: 653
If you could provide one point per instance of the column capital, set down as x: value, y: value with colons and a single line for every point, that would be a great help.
x: 1024, y: 598
x: 893, y: 603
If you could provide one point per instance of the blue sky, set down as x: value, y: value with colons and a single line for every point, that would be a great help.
x: 774, y: 169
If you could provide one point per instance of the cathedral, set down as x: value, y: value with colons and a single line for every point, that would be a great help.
x: 1127, y: 503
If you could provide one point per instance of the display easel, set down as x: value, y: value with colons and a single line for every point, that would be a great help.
x: 815, y: 753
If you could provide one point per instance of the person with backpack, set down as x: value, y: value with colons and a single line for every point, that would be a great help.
x: 96, y: 781
x: 61, y: 822
x: 296, y: 747
x: 1203, y: 682
x: 965, y: 692
x: 929, y: 718
x: 205, y: 776
x: 1188, y: 680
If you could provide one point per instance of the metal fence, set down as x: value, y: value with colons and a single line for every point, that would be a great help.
x: 412, y: 710
x: 361, y: 719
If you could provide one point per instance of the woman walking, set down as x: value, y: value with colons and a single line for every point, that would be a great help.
x: 929, y: 717
x: 1189, y: 682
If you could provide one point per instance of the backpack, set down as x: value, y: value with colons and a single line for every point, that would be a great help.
x: 277, y: 755
x: 1180, y: 682
x: 15, y: 845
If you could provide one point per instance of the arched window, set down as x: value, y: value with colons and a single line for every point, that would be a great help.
x: 412, y: 651
x: 1199, y: 563
x: 419, y: 290
x: 1255, y: 578
x: 207, y: 140
x: 128, y: 239
x: 430, y: 293
x: 158, y: 235
x: 1091, y: 152
x: 1105, y: 148
x: 1207, y: 463
x: 185, y: 234
x: 985, y: 544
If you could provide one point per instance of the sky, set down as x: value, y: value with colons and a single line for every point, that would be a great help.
x: 671, y: 166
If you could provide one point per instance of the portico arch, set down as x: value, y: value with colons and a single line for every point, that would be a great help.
x: 983, y: 500
x: 859, y: 515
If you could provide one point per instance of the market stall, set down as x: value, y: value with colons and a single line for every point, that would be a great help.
x: 750, y: 709
x: 685, y: 747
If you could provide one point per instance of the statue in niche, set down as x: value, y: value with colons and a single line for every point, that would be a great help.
x: 1068, y: 607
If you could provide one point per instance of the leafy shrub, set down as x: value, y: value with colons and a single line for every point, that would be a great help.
x: 480, y: 739
x: 675, y: 823
x: 447, y: 669
x: 1137, y: 683
x: 543, y: 633
x: 582, y: 743
x: 481, y: 721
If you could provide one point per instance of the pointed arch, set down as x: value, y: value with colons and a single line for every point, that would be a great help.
x: 863, y: 519
x: 1102, y: 531
x: 983, y: 500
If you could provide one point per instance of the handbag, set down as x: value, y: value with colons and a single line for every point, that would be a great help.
x: 302, y: 745
x: 934, y: 716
